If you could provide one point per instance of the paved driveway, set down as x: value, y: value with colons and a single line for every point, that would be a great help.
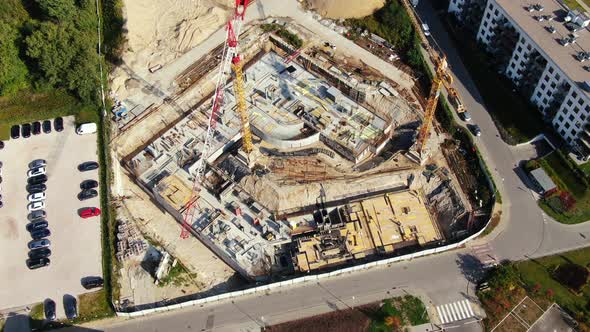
x: 75, y: 242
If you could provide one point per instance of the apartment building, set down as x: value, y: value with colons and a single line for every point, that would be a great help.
x: 544, y: 48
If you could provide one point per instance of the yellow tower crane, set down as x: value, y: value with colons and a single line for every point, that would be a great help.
x: 247, y: 145
x: 442, y: 76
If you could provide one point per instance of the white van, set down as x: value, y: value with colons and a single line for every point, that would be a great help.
x: 86, y: 128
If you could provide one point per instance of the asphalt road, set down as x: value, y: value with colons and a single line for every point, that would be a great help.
x: 443, y: 278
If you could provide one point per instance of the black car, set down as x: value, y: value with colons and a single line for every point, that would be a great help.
x: 36, y: 128
x: 35, y: 215
x: 36, y: 188
x: 39, y: 179
x: 40, y: 253
x: 58, y: 124
x: 37, y: 225
x: 92, y: 282
x: 15, y: 132
x: 70, y: 306
x: 47, y: 126
x: 49, y: 306
x: 88, y: 184
x: 87, y: 166
x: 1, y: 145
x: 37, y: 263
x: 87, y: 194
x: 25, y: 130
x: 40, y: 233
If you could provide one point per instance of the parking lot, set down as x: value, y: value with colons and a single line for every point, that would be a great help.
x: 75, y: 242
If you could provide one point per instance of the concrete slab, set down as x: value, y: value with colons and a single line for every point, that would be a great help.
x: 75, y: 242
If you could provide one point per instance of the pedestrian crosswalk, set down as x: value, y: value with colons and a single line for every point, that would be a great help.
x: 485, y: 255
x: 455, y: 311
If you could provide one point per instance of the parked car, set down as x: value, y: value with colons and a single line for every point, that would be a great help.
x: 40, y: 234
x: 466, y: 116
x: 71, y: 307
x: 25, y: 130
x: 37, y: 163
x: 90, y: 212
x: 36, y: 188
x: 36, y: 128
x: 15, y: 132
x: 476, y: 130
x: 58, y: 124
x: 36, y: 206
x: 36, y: 171
x: 49, y: 307
x: 426, y: 29
x: 37, y: 244
x: 37, y: 263
x: 39, y: 253
x: 37, y: 225
x: 88, y: 184
x: 46, y: 126
x: 87, y: 166
x: 36, y: 197
x: 36, y: 215
x: 38, y: 179
x: 87, y: 194
x: 92, y: 282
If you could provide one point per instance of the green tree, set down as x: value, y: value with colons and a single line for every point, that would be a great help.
x: 61, y: 10
x: 13, y: 71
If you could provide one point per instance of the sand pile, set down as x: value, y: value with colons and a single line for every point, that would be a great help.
x: 161, y: 30
x: 346, y: 8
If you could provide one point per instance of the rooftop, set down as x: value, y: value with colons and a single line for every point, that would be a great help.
x: 548, y: 43
x: 543, y: 179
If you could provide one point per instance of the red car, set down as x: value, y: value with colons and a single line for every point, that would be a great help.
x: 90, y: 212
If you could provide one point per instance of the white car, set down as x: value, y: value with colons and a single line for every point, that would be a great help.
x: 36, y: 197
x: 34, y: 206
x: 426, y: 29
x: 36, y: 171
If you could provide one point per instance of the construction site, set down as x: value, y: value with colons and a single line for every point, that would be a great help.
x: 301, y: 159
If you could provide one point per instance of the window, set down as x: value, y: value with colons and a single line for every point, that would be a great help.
x: 544, y: 100
x: 569, y: 102
x: 550, y: 70
x: 557, y: 77
x: 576, y: 110
x: 567, y: 125
x: 519, y: 49
x: 560, y: 118
x: 512, y: 65
x: 587, y: 109
x: 553, y: 85
x: 574, y: 94
x: 546, y: 78
x: 516, y: 57
x: 569, y: 139
x: 488, y: 15
x: 549, y: 93
x: 496, y: 12
x: 580, y: 101
x: 485, y: 24
x: 539, y: 94
x: 582, y: 117
x: 562, y: 132
x: 543, y: 86
x: 528, y: 47
x: 571, y: 117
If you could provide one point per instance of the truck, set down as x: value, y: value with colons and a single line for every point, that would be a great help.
x: 86, y: 128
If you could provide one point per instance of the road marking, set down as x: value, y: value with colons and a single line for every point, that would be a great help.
x: 455, y: 311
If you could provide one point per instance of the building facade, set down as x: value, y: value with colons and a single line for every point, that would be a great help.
x: 544, y: 49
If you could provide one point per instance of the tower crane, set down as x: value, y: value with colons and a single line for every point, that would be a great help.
x: 231, y: 60
x: 442, y: 77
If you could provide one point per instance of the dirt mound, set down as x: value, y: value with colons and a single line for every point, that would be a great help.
x: 346, y: 8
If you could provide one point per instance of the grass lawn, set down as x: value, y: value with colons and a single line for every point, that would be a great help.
x: 28, y: 107
x: 539, y: 271
x: 566, y: 180
x: 93, y: 306
x: 573, y: 4
x: 398, y: 312
x: 515, y: 118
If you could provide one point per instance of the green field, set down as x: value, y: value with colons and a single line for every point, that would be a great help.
x: 539, y: 271
x: 568, y: 179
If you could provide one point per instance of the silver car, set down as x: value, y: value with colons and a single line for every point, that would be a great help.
x: 37, y: 163
x: 43, y: 243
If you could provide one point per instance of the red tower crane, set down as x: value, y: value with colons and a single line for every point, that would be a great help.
x: 230, y: 58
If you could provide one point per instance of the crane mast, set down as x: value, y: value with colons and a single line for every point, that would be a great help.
x: 230, y: 59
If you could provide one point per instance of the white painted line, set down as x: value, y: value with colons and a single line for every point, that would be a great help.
x: 452, y: 312
x: 464, y: 304
x: 470, y: 309
x: 447, y: 314
x: 459, y: 310
x: 442, y: 319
